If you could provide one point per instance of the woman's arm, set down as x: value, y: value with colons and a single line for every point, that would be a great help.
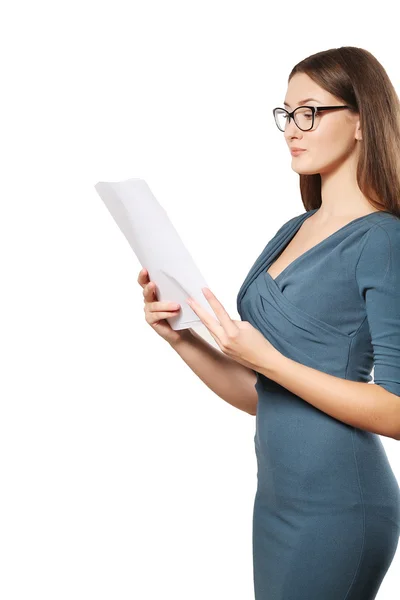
x: 363, y: 405
x: 227, y: 378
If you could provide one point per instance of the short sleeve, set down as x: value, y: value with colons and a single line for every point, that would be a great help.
x: 378, y: 280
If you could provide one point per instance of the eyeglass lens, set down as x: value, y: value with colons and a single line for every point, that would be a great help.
x: 303, y: 118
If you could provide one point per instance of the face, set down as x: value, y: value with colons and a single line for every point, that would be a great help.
x: 333, y: 138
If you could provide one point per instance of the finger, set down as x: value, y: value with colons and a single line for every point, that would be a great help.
x: 213, y: 326
x: 143, y: 277
x: 149, y: 297
x: 223, y: 317
x: 149, y: 291
x: 202, y: 314
x: 165, y: 306
x: 153, y: 317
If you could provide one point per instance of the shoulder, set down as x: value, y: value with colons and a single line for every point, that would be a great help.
x: 382, y: 238
x: 379, y: 254
x: 390, y: 224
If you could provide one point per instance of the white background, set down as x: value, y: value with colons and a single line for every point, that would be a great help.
x: 122, y: 475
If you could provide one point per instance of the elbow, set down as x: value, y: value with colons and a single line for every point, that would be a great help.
x: 391, y: 401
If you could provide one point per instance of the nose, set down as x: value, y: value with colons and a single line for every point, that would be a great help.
x: 291, y: 130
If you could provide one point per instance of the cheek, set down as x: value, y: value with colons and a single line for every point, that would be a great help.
x: 330, y: 142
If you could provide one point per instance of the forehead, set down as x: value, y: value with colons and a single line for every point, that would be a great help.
x: 302, y: 90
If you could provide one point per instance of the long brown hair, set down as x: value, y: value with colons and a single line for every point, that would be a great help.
x: 358, y: 79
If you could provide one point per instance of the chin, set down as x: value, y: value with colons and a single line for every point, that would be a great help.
x: 305, y: 171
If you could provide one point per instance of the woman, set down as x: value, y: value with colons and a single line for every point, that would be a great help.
x: 325, y: 292
x: 320, y: 307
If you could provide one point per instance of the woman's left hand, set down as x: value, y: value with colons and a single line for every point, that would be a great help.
x: 237, y: 339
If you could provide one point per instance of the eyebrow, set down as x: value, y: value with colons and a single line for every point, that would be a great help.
x: 302, y: 101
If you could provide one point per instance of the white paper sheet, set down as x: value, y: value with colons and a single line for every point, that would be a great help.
x: 157, y: 245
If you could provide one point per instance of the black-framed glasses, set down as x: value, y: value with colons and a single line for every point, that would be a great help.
x: 303, y: 116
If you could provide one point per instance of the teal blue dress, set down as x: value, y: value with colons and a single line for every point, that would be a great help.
x: 326, y: 518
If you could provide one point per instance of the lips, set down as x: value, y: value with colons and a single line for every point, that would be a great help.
x: 297, y: 150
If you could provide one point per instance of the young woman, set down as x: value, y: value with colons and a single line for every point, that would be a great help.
x: 320, y: 307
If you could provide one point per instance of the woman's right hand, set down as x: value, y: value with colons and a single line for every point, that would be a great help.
x: 157, y: 312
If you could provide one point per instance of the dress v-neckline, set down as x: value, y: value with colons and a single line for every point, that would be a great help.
x: 329, y: 237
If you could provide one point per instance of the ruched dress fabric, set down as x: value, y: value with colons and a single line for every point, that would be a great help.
x: 326, y: 519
